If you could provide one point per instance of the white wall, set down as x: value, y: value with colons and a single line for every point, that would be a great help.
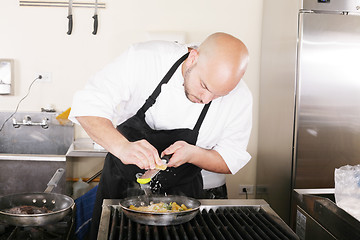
x: 35, y: 37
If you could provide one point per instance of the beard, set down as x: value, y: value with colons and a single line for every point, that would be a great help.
x: 188, y: 94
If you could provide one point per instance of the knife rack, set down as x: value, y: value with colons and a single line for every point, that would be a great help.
x: 61, y: 4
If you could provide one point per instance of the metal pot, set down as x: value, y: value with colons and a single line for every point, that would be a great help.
x: 59, y: 205
x: 160, y: 219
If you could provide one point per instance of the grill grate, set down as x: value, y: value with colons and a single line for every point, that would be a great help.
x: 224, y: 223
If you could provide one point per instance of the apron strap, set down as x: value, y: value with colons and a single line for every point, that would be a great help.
x: 201, y: 117
x: 151, y: 100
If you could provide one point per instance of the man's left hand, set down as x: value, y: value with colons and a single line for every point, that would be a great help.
x: 182, y: 153
x: 207, y: 159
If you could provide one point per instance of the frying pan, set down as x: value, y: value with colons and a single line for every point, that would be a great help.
x: 160, y: 219
x: 58, y: 204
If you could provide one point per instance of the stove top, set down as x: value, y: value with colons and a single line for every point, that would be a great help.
x: 217, y: 219
x: 61, y: 230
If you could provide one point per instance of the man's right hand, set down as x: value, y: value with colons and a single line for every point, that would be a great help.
x: 141, y: 153
x: 101, y: 130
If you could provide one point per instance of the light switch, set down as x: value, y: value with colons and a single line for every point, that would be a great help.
x: 5, y: 76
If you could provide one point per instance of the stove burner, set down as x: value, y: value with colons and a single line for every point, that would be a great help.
x: 58, y: 231
x: 222, y: 223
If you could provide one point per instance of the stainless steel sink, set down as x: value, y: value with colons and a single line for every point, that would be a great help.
x: 53, y: 139
x: 32, y: 146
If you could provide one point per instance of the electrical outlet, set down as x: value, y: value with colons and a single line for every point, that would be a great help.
x: 261, y: 189
x: 46, y: 76
x: 249, y: 189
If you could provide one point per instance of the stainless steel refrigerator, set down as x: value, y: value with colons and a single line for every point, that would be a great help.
x: 324, y: 130
x: 327, y: 108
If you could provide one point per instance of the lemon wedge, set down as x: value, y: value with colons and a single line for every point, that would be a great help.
x: 143, y: 180
x: 161, y: 167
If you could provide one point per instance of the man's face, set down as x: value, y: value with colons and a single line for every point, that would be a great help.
x: 196, y: 87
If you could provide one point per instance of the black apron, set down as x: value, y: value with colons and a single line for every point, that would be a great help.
x: 118, y: 180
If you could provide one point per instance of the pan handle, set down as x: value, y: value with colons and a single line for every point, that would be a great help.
x: 95, y: 176
x: 54, y: 180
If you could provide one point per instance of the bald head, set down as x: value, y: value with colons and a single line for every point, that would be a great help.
x: 225, y: 58
x: 218, y: 65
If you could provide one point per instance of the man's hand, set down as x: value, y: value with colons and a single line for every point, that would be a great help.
x: 182, y: 153
x: 102, y: 131
x: 141, y: 153
x: 206, y: 159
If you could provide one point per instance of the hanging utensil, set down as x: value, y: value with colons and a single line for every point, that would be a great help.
x: 70, y: 24
x: 95, y: 17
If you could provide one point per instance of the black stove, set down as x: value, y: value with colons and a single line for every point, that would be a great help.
x: 62, y: 230
x: 217, y: 219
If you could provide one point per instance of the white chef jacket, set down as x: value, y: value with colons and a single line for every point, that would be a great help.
x: 121, y: 88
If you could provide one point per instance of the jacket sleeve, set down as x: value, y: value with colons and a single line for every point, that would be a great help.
x: 232, y: 145
x: 103, y: 92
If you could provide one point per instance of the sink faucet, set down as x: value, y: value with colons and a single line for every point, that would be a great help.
x: 27, y: 122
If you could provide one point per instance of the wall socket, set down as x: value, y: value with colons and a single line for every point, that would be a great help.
x: 249, y: 189
x: 261, y: 189
x: 46, y: 76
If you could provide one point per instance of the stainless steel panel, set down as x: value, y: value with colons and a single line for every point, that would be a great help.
x: 318, y: 217
x: 308, y: 228
x: 328, y: 98
x: 331, y: 5
x: 56, y: 139
x: 32, y: 157
x: 25, y: 176
x: 276, y: 105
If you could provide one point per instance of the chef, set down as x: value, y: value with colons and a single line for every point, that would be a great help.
x: 164, y: 98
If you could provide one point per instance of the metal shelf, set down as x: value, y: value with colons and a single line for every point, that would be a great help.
x: 60, y: 4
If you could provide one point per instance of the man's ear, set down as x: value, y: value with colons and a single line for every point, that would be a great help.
x: 192, y: 58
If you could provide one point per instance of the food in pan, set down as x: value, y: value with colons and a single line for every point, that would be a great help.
x: 161, y: 207
x: 27, y: 210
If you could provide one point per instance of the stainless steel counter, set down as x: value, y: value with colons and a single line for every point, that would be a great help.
x: 316, y: 216
x: 84, y: 147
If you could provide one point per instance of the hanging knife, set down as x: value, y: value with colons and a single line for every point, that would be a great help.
x: 95, y: 17
x: 149, y: 174
x: 70, y: 24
